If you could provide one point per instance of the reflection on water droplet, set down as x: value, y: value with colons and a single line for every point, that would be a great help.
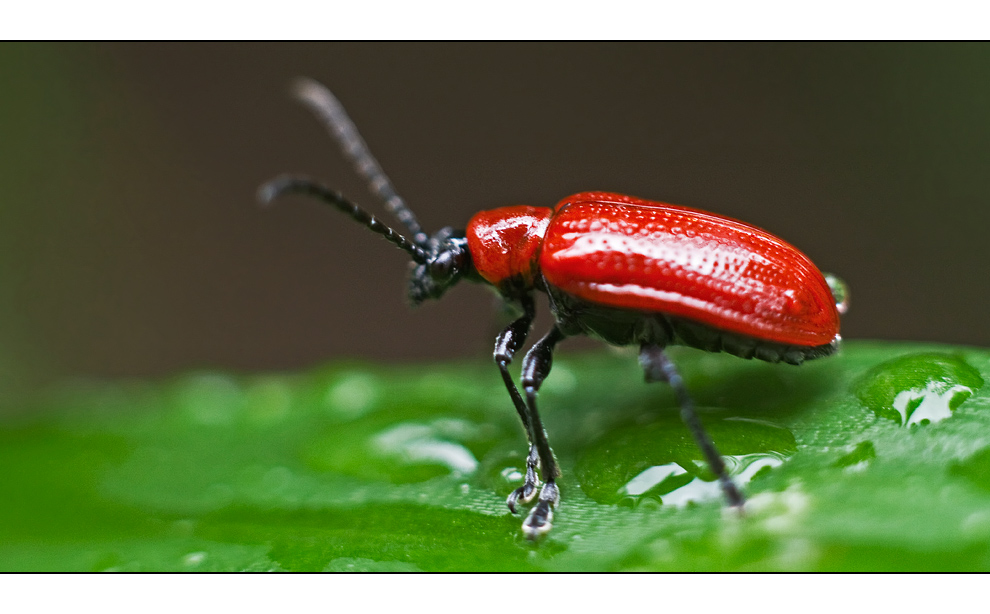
x: 416, y: 443
x: 352, y: 395
x: 779, y: 512
x: 651, y: 478
x: 672, y: 484
x: 929, y: 405
x: 859, y: 458
x: 194, y: 558
x: 511, y: 474
x: 502, y: 470
x: 660, y: 461
x: 918, y: 388
x: 380, y: 446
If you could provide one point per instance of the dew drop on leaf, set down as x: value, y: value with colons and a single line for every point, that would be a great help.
x: 661, y: 462
x: 918, y: 388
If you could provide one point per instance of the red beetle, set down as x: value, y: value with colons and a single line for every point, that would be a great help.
x: 623, y: 269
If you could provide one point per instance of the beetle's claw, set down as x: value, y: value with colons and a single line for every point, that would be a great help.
x: 526, y: 492
x: 540, y: 519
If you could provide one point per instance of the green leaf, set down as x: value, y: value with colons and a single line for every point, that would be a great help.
x: 876, y: 459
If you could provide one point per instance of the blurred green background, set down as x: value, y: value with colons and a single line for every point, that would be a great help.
x: 130, y: 244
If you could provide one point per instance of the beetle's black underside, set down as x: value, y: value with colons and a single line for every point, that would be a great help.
x: 576, y: 316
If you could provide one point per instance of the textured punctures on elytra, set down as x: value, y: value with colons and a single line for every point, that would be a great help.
x: 711, y: 281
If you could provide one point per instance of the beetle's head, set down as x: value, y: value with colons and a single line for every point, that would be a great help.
x: 448, y: 260
x: 438, y: 262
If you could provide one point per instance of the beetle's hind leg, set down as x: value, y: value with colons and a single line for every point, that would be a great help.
x: 659, y: 368
x: 536, y: 367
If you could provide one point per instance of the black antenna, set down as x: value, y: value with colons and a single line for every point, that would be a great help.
x: 288, y: 184
x: 328, y: 109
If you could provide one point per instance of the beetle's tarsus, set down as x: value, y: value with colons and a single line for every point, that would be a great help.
x: 540, y: 519
x: 733, y: 495
x: 536, y: 367
x: 526, y: 492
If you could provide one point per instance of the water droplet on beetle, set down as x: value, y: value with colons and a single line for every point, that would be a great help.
x: 918, y: 388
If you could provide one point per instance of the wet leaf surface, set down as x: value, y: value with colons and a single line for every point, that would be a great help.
x: 365, y: 468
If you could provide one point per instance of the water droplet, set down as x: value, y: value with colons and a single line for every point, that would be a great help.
x: 504, y: 468
x: 268, y: 400
x: 918, y: 388
x: 859, y: 458
x: 402, y: 452
x: 840, y: 292
x: 193, y: 558
x: 977, y: 525
x: 352, y: 395
x: 210, y: 398
x: 416, y: 443
x: 672, y: 484
x: 563, y: 380
x: 779, y: 512
x: 512, y: 474
x: 660, y: 461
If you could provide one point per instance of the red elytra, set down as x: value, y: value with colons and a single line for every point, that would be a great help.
x: 629, y: 253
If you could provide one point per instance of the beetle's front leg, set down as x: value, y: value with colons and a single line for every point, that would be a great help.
x: 507, y: 344
x: 536, y: 367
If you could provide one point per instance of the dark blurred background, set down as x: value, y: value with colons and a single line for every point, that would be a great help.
x: 131, y: 245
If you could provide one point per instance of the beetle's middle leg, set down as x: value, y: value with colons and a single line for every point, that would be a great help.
x: 507, y: 344
x: 659, y: 368
x: 536, y: 367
